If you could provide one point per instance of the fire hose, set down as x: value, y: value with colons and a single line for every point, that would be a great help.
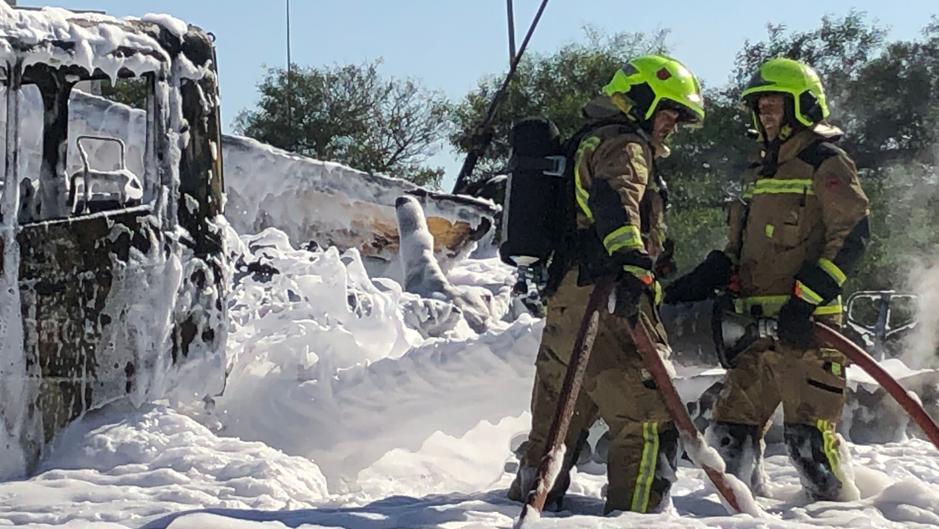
x: 553, y: 459
x: 734, y: 333
x: 836, y: 340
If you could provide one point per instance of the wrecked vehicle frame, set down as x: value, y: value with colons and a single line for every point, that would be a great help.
x: 116, y: 296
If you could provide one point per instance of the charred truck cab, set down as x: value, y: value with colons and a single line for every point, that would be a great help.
x: 113, y: 267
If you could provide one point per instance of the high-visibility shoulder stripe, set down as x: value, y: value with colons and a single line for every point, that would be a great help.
x: 832, y: 269
x: 580, y: 193
x: 626, y: 236
x: 650, y: 456
x: 771, y: 186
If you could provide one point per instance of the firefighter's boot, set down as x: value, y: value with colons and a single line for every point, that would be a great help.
x: 525, y: 478
x: 741, y: 447
x: 814, y: 452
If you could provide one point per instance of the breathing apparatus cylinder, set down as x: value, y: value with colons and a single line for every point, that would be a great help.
x: 531, y: 216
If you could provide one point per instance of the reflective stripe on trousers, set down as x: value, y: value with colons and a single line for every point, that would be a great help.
x: 830, y: 446
x: 650, y: 456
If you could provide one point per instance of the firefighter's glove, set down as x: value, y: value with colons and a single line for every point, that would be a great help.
x: 795, y: 327
x: 628, y: 294
x: 699, y: 284
x: 665, y: 266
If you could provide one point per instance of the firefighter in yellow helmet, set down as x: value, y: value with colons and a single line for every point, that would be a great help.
x: 797, y: 233
x: 620, y: 202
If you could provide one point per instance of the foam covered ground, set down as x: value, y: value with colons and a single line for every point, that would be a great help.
x: 341, y: 410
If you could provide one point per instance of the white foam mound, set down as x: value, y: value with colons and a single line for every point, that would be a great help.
x: 328, y: 367
x: 445, y: 463
x: 895, y: 367
x: 153, y: 461
x: 422, y: 273
x: 910, y: 501
x: 174, y: 25
x: 406, y: 431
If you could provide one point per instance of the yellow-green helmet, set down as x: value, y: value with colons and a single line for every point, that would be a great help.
x: 653, y: 82
x: 793, y: 78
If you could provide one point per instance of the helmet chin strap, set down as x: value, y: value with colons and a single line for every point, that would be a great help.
x: 787, y: 128
x: 790, y: 125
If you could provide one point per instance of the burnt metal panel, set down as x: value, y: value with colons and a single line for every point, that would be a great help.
x: 65, y: 277
x: 73, y: 271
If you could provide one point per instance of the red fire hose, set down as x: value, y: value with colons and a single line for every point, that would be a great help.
x: 676, y: 408
x: 857, y: 355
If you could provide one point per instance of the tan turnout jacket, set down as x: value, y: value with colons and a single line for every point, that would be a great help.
x: 812, y: 210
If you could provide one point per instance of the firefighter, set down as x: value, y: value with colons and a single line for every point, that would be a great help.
x: 797, y: 233
x: 620, y: 202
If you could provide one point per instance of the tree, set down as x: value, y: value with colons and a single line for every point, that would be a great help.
x: 894, y: 103
x: 351, y: 115
x: 555, y: 85
x: 131, y: 91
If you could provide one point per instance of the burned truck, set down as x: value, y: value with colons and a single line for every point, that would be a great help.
x: 112, y: 260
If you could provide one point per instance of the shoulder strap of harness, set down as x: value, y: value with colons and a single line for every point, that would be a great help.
x: 627, y: 128
x: 816, y: 153
x: 573, y: 142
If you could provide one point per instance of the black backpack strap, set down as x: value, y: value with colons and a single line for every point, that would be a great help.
x: 549, y: 165
x: 816, y: 153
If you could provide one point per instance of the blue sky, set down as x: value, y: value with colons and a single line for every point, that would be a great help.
x: 450, y: 44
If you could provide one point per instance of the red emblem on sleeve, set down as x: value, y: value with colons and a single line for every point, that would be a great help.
x: 832, y: 183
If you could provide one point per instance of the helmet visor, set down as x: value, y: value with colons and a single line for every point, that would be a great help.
x: 687, y: 116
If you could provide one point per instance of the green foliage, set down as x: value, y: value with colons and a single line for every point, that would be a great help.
x: 131, y: 91
x: 351, y: 115
x: 893, y: 106
x: 703, y: 174
x: 555, y: 85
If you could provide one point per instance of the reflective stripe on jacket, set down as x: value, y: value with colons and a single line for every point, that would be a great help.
x: 810, y: 212
x: 613, y: 173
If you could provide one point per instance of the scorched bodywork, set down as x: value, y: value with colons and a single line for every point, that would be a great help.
x: 121, y: 276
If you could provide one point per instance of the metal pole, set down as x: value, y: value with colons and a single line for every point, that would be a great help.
x: 483, y: 133
x: 511, y: 19
x: 289, y: 71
